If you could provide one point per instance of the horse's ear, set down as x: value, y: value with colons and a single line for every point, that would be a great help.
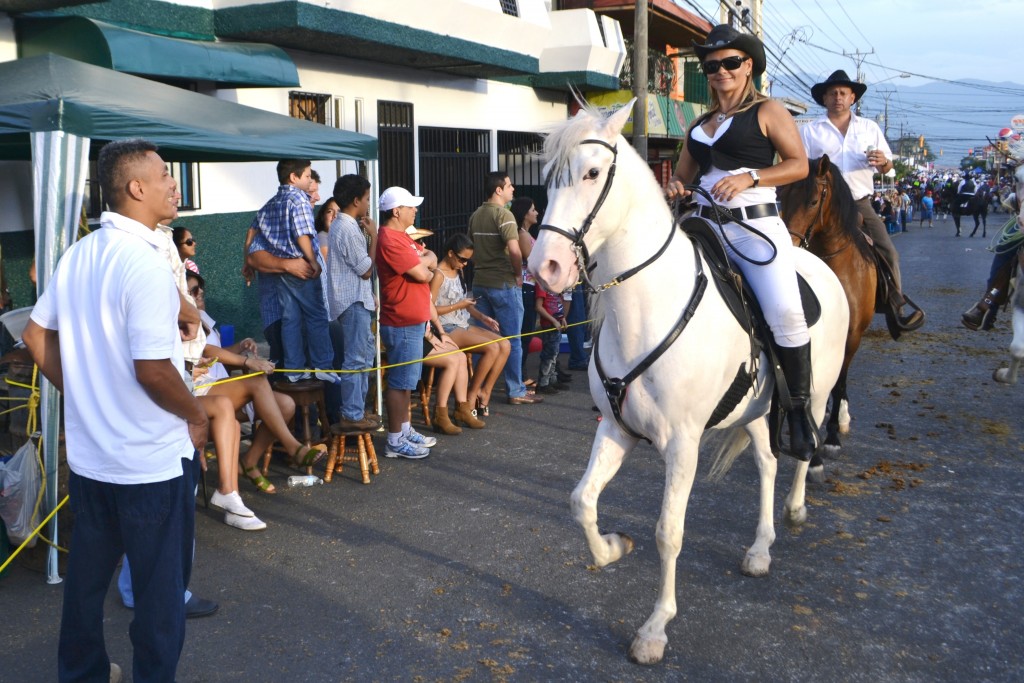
x: 823, y: 165
x: 617, y: 121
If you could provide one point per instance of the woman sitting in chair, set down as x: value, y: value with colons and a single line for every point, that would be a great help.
x: 272, y: 409
x: 456, y: 308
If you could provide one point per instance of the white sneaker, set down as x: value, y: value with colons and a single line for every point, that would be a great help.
x: 414, y: 437
x: 329, y: 377
x: 115, y: 673
x: 405, y: 449
x: 244, y: 523
x: 297, y: 376
x: 231, y: 502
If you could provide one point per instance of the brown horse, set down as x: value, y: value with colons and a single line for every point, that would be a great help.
x: 822, y: 217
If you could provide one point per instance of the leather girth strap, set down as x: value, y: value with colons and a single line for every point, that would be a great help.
x: 615, y: 387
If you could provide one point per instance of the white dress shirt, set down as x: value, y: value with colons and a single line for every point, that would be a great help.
x: 849, y: 152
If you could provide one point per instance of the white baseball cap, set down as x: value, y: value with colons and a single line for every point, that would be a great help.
x: 398, y: 196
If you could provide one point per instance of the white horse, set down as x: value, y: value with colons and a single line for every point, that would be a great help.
x: 1009, y: 375
x: 627, y: 223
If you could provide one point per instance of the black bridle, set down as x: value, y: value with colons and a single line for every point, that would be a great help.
x: 805, y: 239
x: 576, y: 236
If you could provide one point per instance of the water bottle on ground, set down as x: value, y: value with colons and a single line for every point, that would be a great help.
x: 298, y: 481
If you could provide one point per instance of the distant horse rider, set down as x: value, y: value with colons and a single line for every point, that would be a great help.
x: 858, y: 148
x: 964, y: 203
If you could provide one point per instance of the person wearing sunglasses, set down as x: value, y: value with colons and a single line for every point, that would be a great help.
x: 731, y: 152
x: 186, y: 245
x: 858, y: 148
x: 455, y: 309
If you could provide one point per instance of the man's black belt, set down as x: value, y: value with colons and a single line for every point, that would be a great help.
x: 740, y: 213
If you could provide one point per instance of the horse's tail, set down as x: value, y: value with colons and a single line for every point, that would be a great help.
x: 729, y: 445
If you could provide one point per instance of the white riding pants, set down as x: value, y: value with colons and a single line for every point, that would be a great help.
x: 775, y: 284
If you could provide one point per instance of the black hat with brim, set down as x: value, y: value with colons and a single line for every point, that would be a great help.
x: 723, y: 37
x: 839, y: 77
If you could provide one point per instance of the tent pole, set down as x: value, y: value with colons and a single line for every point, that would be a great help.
x: 375, y: 214
x: 59, y: 163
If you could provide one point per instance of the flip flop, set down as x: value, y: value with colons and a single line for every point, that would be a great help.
x: 258, y: 480
x: 307, y: 457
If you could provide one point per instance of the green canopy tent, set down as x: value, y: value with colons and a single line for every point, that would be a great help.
x: 51, y: 108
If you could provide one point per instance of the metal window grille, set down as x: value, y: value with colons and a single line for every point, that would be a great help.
x: 453, y: 163
x: 659, y: 70
x: 520, y: 155
x: 310, y: 106
x: 395, y: 145
x: 695, y: 85
x: 510, y: 7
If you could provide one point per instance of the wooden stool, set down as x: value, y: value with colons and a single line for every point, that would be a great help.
x: 305, y: 393
x: 362, y: 452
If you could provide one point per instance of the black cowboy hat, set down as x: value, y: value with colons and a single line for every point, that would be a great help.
x: 837, y: 78
x: 724, y: 36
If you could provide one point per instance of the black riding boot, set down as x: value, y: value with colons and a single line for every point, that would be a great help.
x: 796, y: 366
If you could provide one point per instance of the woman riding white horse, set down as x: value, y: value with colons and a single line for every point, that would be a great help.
x: 668, y: 349
x: 731, y: 149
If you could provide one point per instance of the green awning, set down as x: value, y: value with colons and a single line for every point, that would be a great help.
x: 53, y: 93
x: 678, y: 115
x: 136, y: 52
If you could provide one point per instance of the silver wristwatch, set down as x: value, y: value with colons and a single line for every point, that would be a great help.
x: 756, y: 178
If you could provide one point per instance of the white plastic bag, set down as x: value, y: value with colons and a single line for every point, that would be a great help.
x: 19, y: 489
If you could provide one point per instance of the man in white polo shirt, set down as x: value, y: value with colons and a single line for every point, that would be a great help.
x: 858, y: 148
x: 105, y: 333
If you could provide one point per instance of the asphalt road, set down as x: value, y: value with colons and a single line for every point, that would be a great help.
x: 468, y: 566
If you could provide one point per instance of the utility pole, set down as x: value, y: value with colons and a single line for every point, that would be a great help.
x: 640, y: 78
x: 858, y: 58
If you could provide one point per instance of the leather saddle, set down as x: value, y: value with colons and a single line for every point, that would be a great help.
x: 743, y: 305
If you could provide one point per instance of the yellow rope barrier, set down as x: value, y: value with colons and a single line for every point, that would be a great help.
x: 41, y: 525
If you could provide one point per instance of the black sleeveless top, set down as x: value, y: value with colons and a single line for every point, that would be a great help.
x: 742, y: 146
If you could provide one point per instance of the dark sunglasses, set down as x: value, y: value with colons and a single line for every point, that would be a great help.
x: 195, y: 291
x: 730, y: 63
x: 189, y: 242
x: 463, y: 260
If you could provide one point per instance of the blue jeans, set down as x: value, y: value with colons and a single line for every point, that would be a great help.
x: 124, y: 577
x: 304, y: 324
x: 549, y: 357
x: 505, y: 304
x: 353, y: 350
x: 154, y: 525
x: 403, y: 344
x: 578, y: 356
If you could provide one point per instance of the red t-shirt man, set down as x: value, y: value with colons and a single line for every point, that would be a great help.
x: 403, y: 301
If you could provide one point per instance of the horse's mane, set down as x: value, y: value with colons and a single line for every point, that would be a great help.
x: 843, y: 204
x: 562, y: 138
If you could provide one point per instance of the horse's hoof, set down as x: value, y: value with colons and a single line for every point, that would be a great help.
x: 755, y: 565
x: 816, y: 474
x: 627, y: 542
x: 647, y: 650
x: 1002, y: 375
x: 830, y: 450
x: 794, y: 518
x: 844, y: 428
